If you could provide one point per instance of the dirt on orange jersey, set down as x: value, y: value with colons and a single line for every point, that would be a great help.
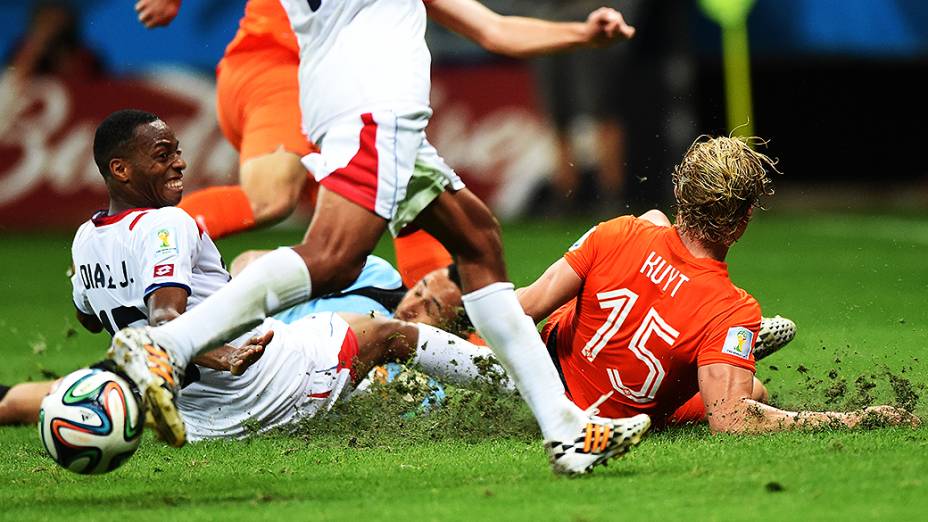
x: 648, y: 315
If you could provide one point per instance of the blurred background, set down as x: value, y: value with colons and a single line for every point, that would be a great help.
x: 838, y: 86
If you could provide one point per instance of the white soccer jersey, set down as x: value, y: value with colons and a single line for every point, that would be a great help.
x: 359, y: 56
x: 119, y: 260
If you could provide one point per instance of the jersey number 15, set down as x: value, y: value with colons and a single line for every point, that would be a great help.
x: 620, y: 303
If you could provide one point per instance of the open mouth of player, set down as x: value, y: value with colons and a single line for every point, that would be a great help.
x: 176, y: 184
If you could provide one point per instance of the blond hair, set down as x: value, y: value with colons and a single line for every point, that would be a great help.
x: 717, y: 184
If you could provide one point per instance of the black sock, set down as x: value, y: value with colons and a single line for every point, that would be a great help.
x: 3, y: 390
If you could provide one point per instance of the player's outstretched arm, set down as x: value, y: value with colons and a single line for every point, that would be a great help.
x: 726, y: 392
x: 522, y: 37
x: 157, y: 13
x: 555, y: 287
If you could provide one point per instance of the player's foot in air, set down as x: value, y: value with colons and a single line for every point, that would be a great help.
x: 775, y: 333
x: 594, y: 442
x: 152, y: 369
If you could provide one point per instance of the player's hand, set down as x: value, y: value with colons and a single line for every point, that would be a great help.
x: 605, y: 26
x: 157, y: 13
x: 878, y: 416
x: 249, y: 353
x: 891, y: 416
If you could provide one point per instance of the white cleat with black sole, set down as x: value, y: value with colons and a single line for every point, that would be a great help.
x: 597, y: 441
x: 775, y: 333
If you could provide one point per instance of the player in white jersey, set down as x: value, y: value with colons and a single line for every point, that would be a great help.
x: 120, y: 260
x: 364, y: 80
x: 142, y: 261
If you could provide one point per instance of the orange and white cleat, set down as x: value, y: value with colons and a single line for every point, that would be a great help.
x: 598, y: 440
x: 152, y: 369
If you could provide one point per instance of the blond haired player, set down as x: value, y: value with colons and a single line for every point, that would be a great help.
x: 364, y: 98
x: 646, y: 312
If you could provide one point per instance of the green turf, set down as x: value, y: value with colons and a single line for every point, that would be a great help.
x: 855, y: 284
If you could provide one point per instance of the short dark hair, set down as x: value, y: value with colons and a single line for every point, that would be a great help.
x: 114, y: 133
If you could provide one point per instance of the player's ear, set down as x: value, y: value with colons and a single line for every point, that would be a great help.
x: 119, y: 169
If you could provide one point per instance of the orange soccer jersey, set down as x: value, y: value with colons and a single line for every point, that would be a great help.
x: 257, y: 91
x: 648, y: 315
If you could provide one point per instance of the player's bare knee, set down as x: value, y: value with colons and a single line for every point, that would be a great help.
x: 273, y: 183
x: 272, y: 209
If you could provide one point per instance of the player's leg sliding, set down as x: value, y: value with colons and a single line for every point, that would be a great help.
x: 775, y: 333
x: 453, y: 360
x: 576, y: 441
x: 272, y: 282
x: 154, y: 358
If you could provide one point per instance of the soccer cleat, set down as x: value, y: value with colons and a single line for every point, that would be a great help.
x: 599, y: 440
x: 775, y: 333
x: 152, y: 369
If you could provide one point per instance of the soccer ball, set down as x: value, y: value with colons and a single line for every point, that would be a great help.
x: 91, y: 422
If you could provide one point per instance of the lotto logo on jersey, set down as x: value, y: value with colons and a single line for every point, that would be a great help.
x: 166, y: 241
x: 164, y: 270
x: 739, y: 342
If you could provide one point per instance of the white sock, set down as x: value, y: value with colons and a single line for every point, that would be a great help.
x: 451, y: 359
x: 500, y: 320
x: 272, y: 282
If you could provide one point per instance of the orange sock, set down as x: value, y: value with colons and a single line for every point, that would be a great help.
x: 220, y: 210
x: 691, y: 412
x: 417, y: 254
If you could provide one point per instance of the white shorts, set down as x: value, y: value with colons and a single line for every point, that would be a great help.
x: 370, y: 160
x: 304, y: 370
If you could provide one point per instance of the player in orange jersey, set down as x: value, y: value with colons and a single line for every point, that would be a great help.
x: 258, y: 94
x: 257, y: 105
x: 647, y: 311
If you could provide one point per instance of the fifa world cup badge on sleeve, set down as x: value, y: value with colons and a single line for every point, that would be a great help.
x: 165, y: 241
x: 739, y: 342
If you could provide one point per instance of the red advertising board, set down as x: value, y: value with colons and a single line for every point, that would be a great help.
x: 486, y: 125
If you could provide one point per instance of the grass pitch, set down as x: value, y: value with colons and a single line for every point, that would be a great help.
x: 855, y: 285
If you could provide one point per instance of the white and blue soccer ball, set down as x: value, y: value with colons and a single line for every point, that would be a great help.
x: 91, y: 422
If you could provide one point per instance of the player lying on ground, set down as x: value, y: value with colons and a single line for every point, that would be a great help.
x: 437, y: 292
x: 364, y: 98
x: 645, y: 310
x: 145, y: 261
x: 435, y: 300
x: 257, y: 100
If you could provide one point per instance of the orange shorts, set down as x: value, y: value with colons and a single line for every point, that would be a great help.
x: 258, y: 102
